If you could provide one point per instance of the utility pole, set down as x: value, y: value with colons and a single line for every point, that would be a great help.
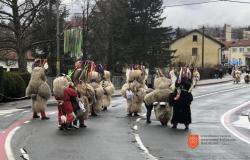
x: 1, y: 83
x: 85, y: 28
x: 57, y: 38
x: 202, y: 54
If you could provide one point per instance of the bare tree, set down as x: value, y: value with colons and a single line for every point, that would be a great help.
x: 17, y: 17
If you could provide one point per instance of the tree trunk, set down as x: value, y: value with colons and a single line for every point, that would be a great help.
x: 22, y: 61
x: 109, y: 56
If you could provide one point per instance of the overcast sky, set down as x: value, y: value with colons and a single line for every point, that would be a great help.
x: 209, y: 14
x: 212, y: 14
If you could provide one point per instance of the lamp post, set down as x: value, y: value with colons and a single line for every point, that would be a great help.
x: 57, y: 38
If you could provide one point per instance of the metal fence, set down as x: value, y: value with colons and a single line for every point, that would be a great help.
x: 118, y: 81
x: 50, y: 82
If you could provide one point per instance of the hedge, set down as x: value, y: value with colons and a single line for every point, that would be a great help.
x: 210, y: 73
x: 13, y: 84
x: 207, y: 73
x: 25, y: 76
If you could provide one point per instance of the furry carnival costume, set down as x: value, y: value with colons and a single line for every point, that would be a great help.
x: 39, y: 91
x: 62, y: 94
x: 89, y: 74
x: 94, y: 81
x: 134, y: 89
x: 195, y: 78
x: 69, y: 110
x: 159, y: 100
x: 108, y: 88
x: 237, y: 75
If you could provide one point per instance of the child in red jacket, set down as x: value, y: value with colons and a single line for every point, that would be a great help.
x: 65, y: 109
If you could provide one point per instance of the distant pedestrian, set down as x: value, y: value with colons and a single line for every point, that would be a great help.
x: 247, y: 70
x: 220, y: 72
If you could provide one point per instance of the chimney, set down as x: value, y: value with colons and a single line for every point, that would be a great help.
x: 227, y: 32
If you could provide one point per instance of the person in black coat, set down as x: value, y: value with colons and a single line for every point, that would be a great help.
x: 181, y: 106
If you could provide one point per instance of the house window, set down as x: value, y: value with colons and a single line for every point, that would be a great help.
x: 248, y: 49
x: 195, y: 38
x: 241, y: 50
x: 194, y: 51
x: 234, y: 49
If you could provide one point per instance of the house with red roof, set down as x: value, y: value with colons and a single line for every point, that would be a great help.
x: 8, y: 60
x: 236, y: 51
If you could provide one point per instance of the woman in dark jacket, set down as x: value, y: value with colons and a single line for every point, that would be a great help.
x: 181, y: 106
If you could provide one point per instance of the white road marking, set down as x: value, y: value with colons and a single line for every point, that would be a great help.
x: 242, y: 122
x: 135, y: 127
x: 230, y: 129
x: 24, y: 154
x: 8, y: 115
x: 7, y: 144
x: 27, y: 122
x: 138, y: 119
x: 140, y: 144
x: 8, y: 111
x: 208, y: 94
x: 143, y: 148
x: 213, y: 85
x: 51, y: 113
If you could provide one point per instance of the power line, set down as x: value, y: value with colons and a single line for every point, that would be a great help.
x: 205, y: 2
x: 236, y: 1
x: 190, y: 4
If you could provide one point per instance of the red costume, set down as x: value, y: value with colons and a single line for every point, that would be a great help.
x: 66, y: 108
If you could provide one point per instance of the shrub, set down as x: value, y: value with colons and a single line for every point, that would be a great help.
x: 14, y: 85
x: 207, y: 73
x: 25, y: 76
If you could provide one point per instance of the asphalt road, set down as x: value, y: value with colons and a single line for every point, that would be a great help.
x: 113, y: 136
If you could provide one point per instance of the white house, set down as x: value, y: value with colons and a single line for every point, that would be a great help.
x: 8, y: 60
x: 238, y: 52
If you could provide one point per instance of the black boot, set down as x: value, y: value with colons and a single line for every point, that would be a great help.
x: 94, y: 114
x: 45, y: 118
x: 186, y: 127
x: 35, y: 115
x: 149, y: 110
x: 136, y: 114
x: 174, y: 126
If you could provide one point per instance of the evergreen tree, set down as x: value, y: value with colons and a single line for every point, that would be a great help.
x: 127, y: 32
x: 149, y: 41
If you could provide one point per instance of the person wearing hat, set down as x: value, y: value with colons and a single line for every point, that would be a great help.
x: 181, y: 106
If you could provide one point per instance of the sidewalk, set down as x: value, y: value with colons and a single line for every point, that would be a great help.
x: 23, y: 104
x: 227, y: 78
